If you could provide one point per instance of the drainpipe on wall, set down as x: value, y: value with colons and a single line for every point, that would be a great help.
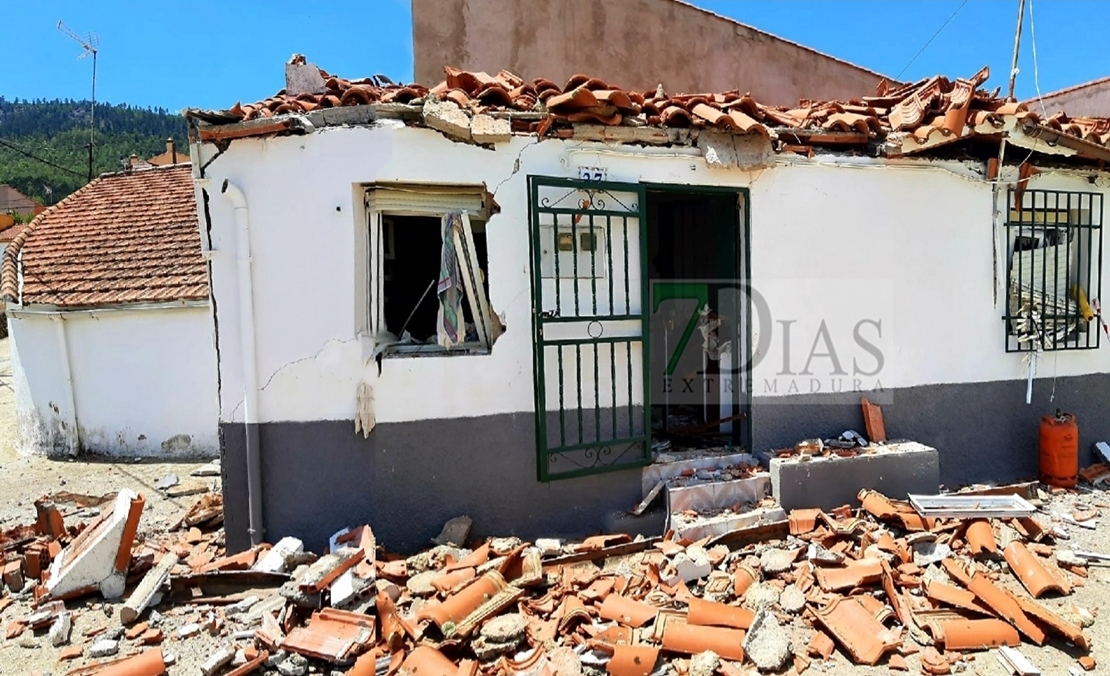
x: 247, y: 347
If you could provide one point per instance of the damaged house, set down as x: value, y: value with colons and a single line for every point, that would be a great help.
x: 112, y: 339
x: 504, y: 299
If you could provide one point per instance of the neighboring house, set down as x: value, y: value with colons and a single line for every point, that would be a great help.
x: 638, y: 44
x: 1090, y: 98
x: 13, y: 202
x: 171, y: 156
x: 867, y: 231
x: 8, y: 234
x: 111, y: 327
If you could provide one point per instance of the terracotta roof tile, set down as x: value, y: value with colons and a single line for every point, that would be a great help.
x: 124, y: 238
x: 911, y: 118
x: 10, y: 233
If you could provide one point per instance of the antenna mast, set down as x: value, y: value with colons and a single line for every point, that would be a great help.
x: 89, y: 44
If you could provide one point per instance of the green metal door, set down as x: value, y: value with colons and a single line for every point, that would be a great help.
x: 590, y: 326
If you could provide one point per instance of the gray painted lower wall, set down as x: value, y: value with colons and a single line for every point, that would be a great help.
x: 408, y: 478
x: 983, y: 431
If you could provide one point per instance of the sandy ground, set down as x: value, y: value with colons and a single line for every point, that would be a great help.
x: 23, y: 479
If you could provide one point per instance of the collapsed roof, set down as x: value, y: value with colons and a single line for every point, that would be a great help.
x: 907, y: 120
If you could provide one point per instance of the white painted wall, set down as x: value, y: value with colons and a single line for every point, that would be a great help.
x: 143, y: 381
x: 833, y: 239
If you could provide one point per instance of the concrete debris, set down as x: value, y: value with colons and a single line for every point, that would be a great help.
x: 693, y: 564
x: 59, y: 631
x: 188, y: 630
x: 275, y: 560
x: 99, y: 557
x: 294, y: 665
x: 217, y: 661
x: 760, y: 596
x: 927, y: 553
x: 167, y: 482
x: 704, y: 663
x: 447, y: 117
x: 882, y: 583
x: 211, y: 469
x: 104, y: 648
x: 767, y: 643
x: 455, y: 532
x: 775, y: 561
x: 792, y: 600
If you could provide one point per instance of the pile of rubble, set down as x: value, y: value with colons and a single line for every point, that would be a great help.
x: 880, y: 583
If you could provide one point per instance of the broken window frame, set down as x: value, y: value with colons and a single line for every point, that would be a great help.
x: 383, y: 201
x: 1033, y: 215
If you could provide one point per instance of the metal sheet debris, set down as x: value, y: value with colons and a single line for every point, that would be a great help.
x: 972, y: 506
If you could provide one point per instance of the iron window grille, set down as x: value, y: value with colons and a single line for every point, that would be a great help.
x: 1053, y: 274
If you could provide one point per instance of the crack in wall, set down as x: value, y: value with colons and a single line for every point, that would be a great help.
x: 284, y: 367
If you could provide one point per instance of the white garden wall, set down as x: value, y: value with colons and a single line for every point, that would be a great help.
x: 143, y: 382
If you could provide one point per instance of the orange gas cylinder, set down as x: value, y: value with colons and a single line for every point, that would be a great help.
x: 1059, y: 450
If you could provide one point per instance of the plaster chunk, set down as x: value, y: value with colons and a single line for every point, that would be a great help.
x: 99, y: 557
x: 447, y: 117
x: 487, y: 130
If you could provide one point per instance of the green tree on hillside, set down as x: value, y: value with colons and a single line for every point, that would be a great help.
x: 58, y: 132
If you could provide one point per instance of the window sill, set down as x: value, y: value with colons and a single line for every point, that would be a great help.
x: 410, y: 351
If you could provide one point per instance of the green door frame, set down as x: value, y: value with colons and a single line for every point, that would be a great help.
x: 599, y: 452
x: 610, y: 449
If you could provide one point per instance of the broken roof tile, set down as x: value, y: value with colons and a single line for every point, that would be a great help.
x: 939, y: 106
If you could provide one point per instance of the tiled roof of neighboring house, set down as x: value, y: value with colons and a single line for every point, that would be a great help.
x: 9, y: 233
x: 902, y: 120
x: 11, y: 199
x: 129, y: 237
x: 1100, y: 82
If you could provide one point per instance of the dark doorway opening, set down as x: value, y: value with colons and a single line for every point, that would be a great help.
x: 696, y: 268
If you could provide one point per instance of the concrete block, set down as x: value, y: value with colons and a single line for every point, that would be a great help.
x: 99, y: 557
x: 487, y: 130
x: 274, y: 560
x: 829, y: 482
x: 303, y: 78
x: 447, y: 117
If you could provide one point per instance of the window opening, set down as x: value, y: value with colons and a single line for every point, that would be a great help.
x: 1054, y: 274
x: 429, y: 291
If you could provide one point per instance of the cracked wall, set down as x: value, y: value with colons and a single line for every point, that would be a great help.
x: 921, y: 230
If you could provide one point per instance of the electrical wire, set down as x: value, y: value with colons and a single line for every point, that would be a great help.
x: 926, y: 46
x: 21, y: 151
x: 1036, y: 70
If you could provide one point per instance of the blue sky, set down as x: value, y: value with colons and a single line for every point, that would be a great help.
x: 211, y: 53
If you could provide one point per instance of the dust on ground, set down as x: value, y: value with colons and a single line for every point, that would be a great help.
x: 24, y: 479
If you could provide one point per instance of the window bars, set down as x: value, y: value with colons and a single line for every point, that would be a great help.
x: 1053, y: 278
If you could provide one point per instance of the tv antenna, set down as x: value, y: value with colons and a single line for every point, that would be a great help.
x: 89, y: 44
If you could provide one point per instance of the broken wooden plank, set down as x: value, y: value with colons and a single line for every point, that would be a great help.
x: 1017, y: 663
x: 776, y: 530
x: 144, y: 593
x: 224, y: 583
x: 603, y: 553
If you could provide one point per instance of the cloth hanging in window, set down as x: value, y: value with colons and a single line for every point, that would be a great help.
x: 450, y: 328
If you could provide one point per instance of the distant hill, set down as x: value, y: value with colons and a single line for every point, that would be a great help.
x: 58, y: 132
